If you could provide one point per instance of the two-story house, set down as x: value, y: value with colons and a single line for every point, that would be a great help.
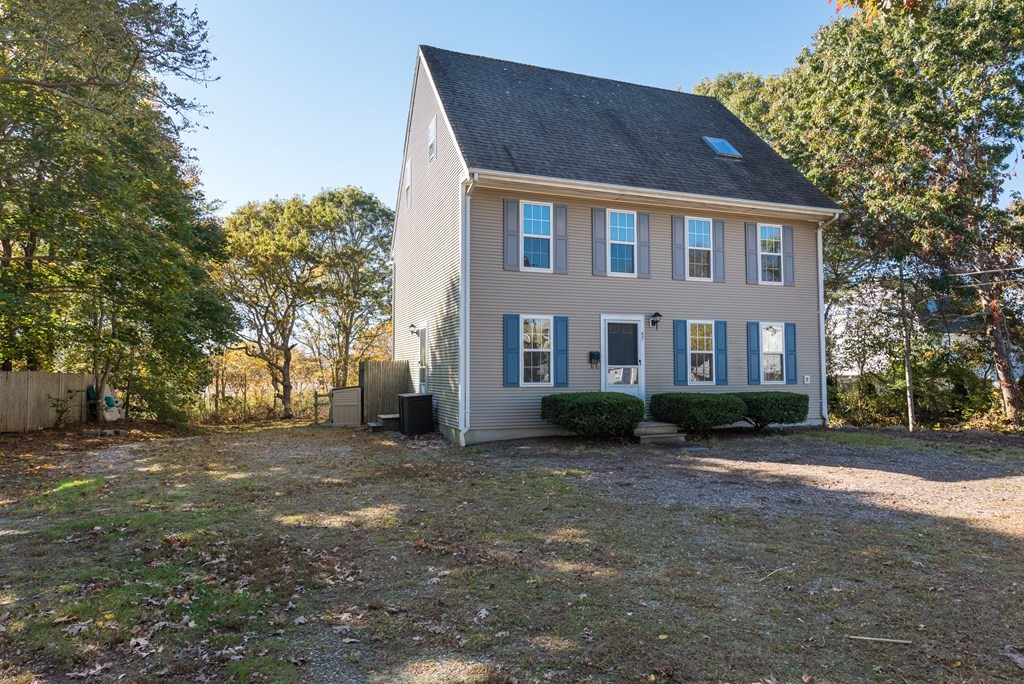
x: 562, y: 233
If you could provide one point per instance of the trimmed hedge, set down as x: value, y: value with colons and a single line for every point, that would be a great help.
x: 697, y: 412
x: 766, y: 408
x: 594, y: 414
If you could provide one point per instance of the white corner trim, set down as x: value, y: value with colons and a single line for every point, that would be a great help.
x: 819, y: 233
x: 466, y: 188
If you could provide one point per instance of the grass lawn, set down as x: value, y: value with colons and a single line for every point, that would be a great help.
x: 300, y: 554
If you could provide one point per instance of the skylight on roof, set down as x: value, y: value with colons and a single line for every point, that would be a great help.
x: 722, y: 147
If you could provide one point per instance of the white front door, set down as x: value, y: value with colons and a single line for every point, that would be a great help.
x: 622, y: 354
x: 424, y: 361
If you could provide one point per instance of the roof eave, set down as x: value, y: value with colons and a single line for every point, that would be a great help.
x: 622, y: 193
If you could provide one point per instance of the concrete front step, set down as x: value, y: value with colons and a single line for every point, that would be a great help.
x: 677, y: 438
x: 390, y: 421
x: 654, y: 427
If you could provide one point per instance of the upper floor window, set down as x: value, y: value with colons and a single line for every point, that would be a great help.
x: 701, y: 353
x: 773, y: 353
x: 622, y: 243
x: 432, y: 139
x: 535, y: 235
x: 698, y: 249
x: 769, y: 248
x: 407, y: 183
x: 536, y: 350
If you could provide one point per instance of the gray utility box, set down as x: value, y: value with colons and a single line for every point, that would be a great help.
x: 416, y: 413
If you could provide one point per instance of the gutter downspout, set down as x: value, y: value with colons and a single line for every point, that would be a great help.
x: 466, y: 191
x: 821, y: 314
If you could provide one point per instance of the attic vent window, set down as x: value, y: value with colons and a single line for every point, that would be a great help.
x: 722, y: 147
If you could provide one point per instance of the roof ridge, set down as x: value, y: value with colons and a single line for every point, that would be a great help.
x: 570, y: 73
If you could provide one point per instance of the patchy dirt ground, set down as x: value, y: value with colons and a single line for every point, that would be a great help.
x: 338, y: 556
x: 868, y: 474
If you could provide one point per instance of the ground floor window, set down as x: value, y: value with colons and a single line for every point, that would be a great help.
x: 536, y: 350
x: 701, y: 353
x: 773, y: 353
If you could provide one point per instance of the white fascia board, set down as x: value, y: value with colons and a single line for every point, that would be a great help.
x: 817, y: 213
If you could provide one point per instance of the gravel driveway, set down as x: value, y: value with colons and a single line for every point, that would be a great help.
x: 876, y: 475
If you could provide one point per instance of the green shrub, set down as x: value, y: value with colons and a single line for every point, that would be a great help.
x: 697, y: 412
x: 594, y: 414
x: 766, y: 408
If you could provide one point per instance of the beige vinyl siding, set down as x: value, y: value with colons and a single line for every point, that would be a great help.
x: 583, y: 297
x: 426, y: 254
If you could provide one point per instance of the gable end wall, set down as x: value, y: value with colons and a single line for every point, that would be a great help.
x: 426, y: 255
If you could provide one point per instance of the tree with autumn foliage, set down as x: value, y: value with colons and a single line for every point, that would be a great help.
x: 910, y: 126
x: 311, y: 271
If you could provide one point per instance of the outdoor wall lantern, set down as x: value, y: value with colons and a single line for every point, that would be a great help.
x: 655, y: 320
x: 413, y: 329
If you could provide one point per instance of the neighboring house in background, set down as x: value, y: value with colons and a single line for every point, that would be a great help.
x: 543, y: 219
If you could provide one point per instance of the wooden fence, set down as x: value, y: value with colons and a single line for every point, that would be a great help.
x: 25, y: 399
x: 382, y: 382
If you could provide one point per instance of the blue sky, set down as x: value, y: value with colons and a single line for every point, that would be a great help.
x: 315, y: 94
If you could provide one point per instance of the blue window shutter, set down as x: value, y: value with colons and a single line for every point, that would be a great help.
x: 753, y: 353
x: 788, y: 259
x: 561, y: 360
x: 682, y: 364
x: 643, y: 245
x: 511, y: 350
x: 791, y: 353
x: 718, y: 256
x: 511, y: 235
x: 753, y: 267
x: 678, y: 248
x: 721, y: 354
x: 600, y: 242
x: 561, y: 258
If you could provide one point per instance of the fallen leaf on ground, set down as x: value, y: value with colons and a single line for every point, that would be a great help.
x: 1016, y: 654
x: 76, y: 628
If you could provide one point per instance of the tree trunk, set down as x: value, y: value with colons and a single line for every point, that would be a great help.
x: 346, y: 355
x: 1001, y: 358
x: 907, y: 373
x: 286, y: 384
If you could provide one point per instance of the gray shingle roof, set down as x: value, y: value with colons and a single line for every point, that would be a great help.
x: 524, y: 119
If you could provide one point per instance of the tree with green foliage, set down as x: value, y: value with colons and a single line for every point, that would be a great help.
x: 104, y: 232
x: 347, y: 319
x: 909, y: 125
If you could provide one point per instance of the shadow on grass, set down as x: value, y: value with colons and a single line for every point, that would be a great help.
x: 499, y: 562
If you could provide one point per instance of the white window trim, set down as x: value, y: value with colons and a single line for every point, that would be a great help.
x: 522, y: 237
x: 522, y: 352
x: 608, y: 232
x: 689, y: 352
x: 711, y: 251
x: 432, y: 140
x: 760, y: 357
x: 781, y: 255
x: 407, y: 185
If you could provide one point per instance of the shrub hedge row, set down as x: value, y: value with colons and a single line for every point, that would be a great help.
x: 701, y: 412
x: 697, y: 412
x: 594, y: 414
x: 613, y: 414
x: 766, y: 408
